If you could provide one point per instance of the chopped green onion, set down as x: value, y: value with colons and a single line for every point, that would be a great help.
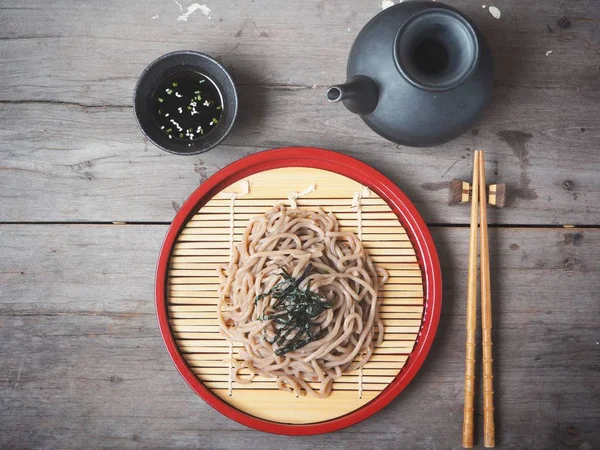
x: 218, y: 107
x: 201, y: 81
x: 189, y: 107
x: 169, y: 130
x: 181, y: 135
x: 174, y: 83
x: 160, y: 99
x: 169, y: 91
x: 215, y: 120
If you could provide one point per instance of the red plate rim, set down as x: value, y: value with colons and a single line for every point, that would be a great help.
x: 367, y: 176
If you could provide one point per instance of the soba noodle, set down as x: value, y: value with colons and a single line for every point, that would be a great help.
x: 332, y: 264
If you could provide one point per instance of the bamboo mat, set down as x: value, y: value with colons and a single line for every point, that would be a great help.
x: 204, y: 244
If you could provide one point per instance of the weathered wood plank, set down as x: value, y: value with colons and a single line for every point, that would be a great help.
x: 64, y: 162
x: 93, y: 53
x: 81, y: 360
x: 83, y: 364
x: 76, y: 163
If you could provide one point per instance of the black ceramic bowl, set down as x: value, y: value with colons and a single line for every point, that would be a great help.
x: 167, y: 66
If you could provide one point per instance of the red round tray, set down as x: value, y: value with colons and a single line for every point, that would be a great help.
x: 407, y: 215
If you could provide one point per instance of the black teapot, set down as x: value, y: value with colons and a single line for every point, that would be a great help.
x: 419, y: 74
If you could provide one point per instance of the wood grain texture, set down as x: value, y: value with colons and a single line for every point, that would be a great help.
x: 70, y: 149
x: 83, y: 363
x: 81, y: 360
x: 489, y: 439
x: 471, y: 322
x: 100, y: 48
x: 65, y: 162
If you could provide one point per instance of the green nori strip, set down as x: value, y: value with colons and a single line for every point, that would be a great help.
x: 294, y: 312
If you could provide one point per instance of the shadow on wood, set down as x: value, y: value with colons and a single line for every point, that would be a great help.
x: 511, y: 68
x: 252, y: 108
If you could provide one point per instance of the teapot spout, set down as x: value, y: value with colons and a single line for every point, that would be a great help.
x: 359, y: 94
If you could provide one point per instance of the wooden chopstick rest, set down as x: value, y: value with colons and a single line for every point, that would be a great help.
x: 461, y: 192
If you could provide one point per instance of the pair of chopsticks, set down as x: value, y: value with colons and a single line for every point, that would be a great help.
x: 478, y: 205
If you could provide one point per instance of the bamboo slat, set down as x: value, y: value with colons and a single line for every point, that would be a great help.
x: 255, y: 200
x: 374, y: 361
x: 214, y: 282
x: 411, y: 291
x: 215, y: 328
x: 213, y: 334
x: 400, y: 255
x: 386, y: 234
x: 268, y: 385
x: 368, y: 244
x: 224, y: 370
x: 396, y: 301
x: 382, y: 309
x: 268, y: 382
x: 388, y: 291
x: 246, y: 212
x: 221, y: 223
x: 193, y: 281
x: 210, y: 273
x: 211, y: 313
x: 192, y: 262
x: 214, y: 321
x: 387, y: 347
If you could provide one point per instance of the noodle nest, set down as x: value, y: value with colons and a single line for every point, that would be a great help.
x: 331, y: 266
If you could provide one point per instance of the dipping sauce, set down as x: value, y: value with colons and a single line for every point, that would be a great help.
x: 188, y: 106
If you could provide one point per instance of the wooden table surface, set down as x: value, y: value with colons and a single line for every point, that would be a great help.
x: 85, y: 202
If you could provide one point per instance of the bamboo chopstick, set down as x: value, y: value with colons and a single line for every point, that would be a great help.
x: 467, y: 433
x: 486, y: 315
